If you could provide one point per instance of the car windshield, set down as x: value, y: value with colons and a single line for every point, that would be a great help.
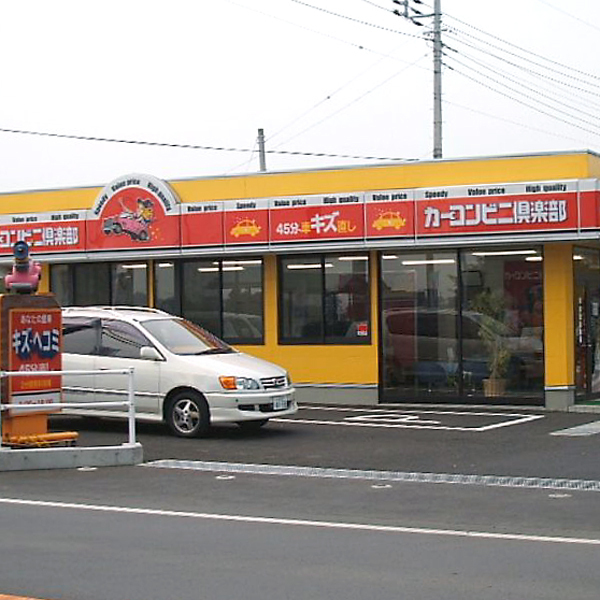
x: 182, y: 337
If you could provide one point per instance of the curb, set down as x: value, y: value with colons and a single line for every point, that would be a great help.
x: 69, y: 458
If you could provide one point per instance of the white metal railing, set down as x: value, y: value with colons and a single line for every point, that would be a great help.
x: 60, y: 405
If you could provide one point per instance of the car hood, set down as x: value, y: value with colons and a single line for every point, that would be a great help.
x: 236, y: 363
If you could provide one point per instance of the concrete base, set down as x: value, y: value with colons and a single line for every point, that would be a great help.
x: 28, y: 459
x: 559, y: 399
x: 340, y: 395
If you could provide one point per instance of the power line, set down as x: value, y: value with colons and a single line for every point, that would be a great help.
x: 359, y: 21
x: 511, y: 121
x: 536, y: 74
x: 329, y: 96
x: 85, y: 138
x: 524, y: 85
x: 564, y: 12
x: 553, y: 62
x: 369, y: 91
x: 356, y: 45
x: 512, y: 97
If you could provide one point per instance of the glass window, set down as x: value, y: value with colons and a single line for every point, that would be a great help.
x: 468, y: 324
x: 419, y: 323
x: 225, y: 297
x: 586, y: 265
x: 81, y: 335
x: 325, y: 299
x: 502, y: 322
x: 91, y: 284
x: 201, y: 294
x: 242, y: 300
x: 130, y: 284
x: 61, y: 284
x: 121, y: 340
x: 347, y: 298
x: 165, y: 286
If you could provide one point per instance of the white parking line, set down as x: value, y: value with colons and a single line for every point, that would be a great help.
x: 410, y: 420
x: 305, y: 523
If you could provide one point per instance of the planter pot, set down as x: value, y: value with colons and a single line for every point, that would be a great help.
x: 494, y: 387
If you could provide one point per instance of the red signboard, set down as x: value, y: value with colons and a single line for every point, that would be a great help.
x: 135, y: 211
x: 589, y: 204
x: 44, y: 232
x: 202, y: 224
x: 317, y: 218
x: 246, y: 221
x: 35, y: 342
x: 495, y: 209
x: 139, y: 211
x: 390, y: 214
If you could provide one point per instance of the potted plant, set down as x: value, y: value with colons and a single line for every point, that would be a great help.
x: 492, y: 332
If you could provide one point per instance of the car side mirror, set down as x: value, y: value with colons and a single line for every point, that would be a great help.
x: 149, y: 353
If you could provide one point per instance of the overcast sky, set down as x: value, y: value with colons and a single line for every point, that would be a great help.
x: 337, y: 77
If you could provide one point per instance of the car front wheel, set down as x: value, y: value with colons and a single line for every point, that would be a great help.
x: 187, y: 414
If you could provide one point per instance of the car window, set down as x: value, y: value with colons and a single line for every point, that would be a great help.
x: 121, y: 340
x: 81, y: 335
x: 182, y: 337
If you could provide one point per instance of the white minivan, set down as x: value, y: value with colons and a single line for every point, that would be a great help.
x: 183, y: 375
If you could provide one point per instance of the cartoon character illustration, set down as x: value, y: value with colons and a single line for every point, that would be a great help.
x: 133, y: 223
x: 145, y: 210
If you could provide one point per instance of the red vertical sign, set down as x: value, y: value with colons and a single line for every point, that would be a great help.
x: 34, y: 346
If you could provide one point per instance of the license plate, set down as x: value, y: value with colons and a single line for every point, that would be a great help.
x: 280, y: 403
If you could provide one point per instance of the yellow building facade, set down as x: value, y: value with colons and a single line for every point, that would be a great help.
x: 416, y: 282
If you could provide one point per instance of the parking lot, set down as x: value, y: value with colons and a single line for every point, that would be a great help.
x: 472, y: 441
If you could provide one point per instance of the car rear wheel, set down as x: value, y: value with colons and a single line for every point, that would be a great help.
x: 187, y: 414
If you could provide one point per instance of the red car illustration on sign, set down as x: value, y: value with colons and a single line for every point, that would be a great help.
x: 133, y: 224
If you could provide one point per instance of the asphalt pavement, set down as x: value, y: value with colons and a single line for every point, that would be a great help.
x: 353, y: 502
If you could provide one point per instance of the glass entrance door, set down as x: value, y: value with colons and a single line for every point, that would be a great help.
x: 419, y: 324
x: 464, y: 325
x: 587, y: 325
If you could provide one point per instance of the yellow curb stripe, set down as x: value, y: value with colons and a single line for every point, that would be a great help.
x: 7, y: 597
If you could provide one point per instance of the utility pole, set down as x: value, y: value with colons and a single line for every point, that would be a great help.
x: 261, y: 150
x: 414, y: 15
x: 437, y: 79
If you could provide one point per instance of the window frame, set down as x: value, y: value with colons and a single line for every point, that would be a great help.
x: 260, y: 341
x: 324, y: 340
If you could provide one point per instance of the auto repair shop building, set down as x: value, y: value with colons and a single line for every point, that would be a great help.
x: 459, y: 281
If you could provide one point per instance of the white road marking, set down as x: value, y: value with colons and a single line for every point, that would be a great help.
x: 379, y: 476
x: 580, y: 430
x: 421, y: 411
x: 405, y: 424
x: 393, y: 418
x: 518, y: 537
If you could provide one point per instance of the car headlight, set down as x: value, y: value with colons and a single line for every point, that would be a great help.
x: 288, y: 380
x: 238, y: 383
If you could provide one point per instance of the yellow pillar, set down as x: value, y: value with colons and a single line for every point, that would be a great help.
x: 559, y: 326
